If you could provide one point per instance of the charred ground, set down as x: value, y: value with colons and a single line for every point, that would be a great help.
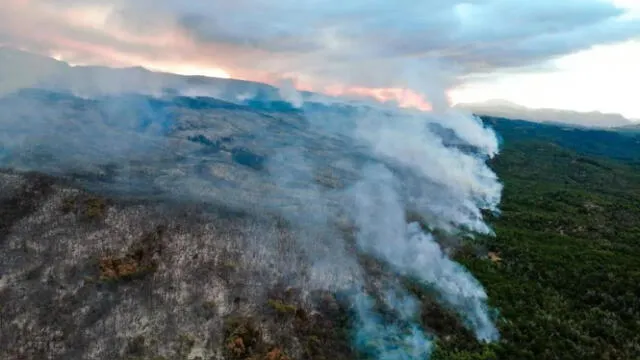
x: 89, y: 276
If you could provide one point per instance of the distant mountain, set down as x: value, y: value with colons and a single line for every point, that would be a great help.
x: 506, y: 109
x: 598, y: 142
x: 634, y: 128
x: 20, y: 70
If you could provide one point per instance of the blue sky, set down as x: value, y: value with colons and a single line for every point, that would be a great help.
x: 571, y: 54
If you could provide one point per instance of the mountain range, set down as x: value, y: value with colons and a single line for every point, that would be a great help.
x: 509, y: 110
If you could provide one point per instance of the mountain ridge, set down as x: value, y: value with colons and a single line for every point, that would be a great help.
x: 507, y: 109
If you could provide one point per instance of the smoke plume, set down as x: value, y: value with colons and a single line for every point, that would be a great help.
x: 341, y: 174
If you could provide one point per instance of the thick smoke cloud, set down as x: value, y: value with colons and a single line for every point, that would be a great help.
x: 384, y: 233
x: 325, y: 169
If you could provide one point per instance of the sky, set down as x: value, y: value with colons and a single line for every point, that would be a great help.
x: 578, y: 55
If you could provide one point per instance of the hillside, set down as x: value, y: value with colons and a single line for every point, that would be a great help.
x: 181, y: 227
x: 618, y: 145
x: 567, y: 242
x: 149, y: 250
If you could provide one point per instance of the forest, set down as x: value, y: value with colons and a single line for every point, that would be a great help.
x: 564, y: 266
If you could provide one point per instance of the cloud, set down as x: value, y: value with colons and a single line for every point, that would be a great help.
x: 374, y: 44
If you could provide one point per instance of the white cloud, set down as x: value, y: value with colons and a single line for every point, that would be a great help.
x: 423, y: 45
x: 605, y: 78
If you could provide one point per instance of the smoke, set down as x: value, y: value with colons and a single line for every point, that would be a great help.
x: 377, y: 338
x: 288, y: 93
x: 60, y: 133
x: 444, y: 172
x: 384, y: 233
x: 433, y: 164
x: 341, y: 174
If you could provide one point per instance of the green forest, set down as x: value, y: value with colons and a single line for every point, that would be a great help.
x: 564, y: 269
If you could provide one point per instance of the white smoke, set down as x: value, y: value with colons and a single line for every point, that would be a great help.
x: 376, y: 337
x: 451, y: 184
x: 385, y: 161
x: 434, y: 164
x: 289, y: 93
x: 384, y: 233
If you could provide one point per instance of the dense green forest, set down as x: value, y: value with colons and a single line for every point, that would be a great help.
x: 565, y: 266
